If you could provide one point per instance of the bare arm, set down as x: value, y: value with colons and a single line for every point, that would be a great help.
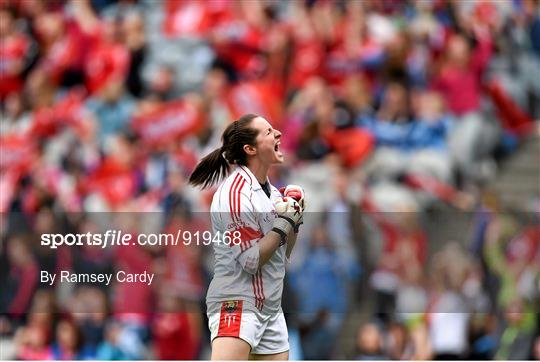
x: 268, y: 244
x: 291, y: 241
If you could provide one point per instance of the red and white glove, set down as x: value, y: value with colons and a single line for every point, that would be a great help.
x: 289, y: 217
x: 297, y: 193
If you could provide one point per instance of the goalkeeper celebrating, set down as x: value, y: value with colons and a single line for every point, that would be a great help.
x: 244, y: 297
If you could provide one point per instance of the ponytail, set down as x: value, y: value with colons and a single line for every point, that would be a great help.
x: 216, y: 165
x: 210, y: 169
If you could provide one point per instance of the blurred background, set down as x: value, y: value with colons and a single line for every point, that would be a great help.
x: 410, y: 124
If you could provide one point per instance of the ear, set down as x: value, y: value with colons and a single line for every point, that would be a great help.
x: 250, y: 150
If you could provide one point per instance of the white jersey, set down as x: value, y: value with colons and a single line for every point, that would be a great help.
x: 240, y: 205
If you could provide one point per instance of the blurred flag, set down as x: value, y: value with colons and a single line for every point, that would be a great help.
x: 169, y: 122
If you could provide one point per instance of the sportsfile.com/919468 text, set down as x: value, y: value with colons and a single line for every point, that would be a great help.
x: 120, y: 238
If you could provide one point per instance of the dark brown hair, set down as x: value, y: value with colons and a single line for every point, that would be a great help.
x: 215, y: 165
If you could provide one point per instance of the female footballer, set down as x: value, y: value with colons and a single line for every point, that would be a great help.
x: 258, y: 227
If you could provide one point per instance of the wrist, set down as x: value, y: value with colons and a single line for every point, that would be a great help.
x: 282, y: 235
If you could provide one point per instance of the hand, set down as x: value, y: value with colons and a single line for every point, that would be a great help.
x: 297, y: 193
x: 289, y: 216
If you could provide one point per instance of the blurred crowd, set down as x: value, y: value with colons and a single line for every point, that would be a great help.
x: 390, y: 111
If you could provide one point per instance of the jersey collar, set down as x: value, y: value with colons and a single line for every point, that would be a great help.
x: 250, y: 177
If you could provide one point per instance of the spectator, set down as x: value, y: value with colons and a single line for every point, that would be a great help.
x: 536, y: 349
x: 89, y: 310
x: 119, y: 344
x: 69, y: 341
x: 448, y: 313
x: 370, y: 343
x: 474, y: 137
x: 516, y: 335
x: 32, y: 344
x: 321, y: 316
x: 176, y: 329
x: 395, y: 107
x: 162, y: 83
x: 112, y: 108
x: 135, y: 40
x: 397, y: 342
x: 16, y: 53
x: 32, y: 340
x: 22, y: 281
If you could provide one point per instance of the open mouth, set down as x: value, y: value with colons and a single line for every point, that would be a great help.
x: 276, y: 147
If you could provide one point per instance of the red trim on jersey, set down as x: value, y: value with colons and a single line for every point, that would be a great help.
x: 261, y: 286
x: 256, y: 281
x: 237, y: 204
x: 256, y: 291
x: 230, y: 319
x: 231, y: 193
x: 247, y: 175
x: 247, y: 243
x: 247, y: 234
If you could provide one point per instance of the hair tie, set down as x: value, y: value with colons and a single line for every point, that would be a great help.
x: 223, y: 153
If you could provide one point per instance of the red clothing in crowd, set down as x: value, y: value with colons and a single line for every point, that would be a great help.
x: 175, y: 337
x: 27, y: 278
x: 192, y: 17
x: 307, y: 61
x: 106, y: 61
x: 133, y: 300
x: 13, y: 50
x: 525, y: 247
x: 114, y: 181
x: 395, y: 239
x: 183, y: 274
x: 462, y: 86
x: 241, y: 44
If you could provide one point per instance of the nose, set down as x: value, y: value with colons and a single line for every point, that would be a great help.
x: 277, y: 134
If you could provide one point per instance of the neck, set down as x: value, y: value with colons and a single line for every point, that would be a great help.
x: 259, y: 171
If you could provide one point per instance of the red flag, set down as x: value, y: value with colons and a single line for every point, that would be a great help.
x: 106, y: 62
x: 47, y: 121
x: 192, y: 18
x: 114, y: 181
x: 17, y: 153
x: 258, y: 97
x: 170, y: 122
x: 353, y: 145
x: 512, y: 117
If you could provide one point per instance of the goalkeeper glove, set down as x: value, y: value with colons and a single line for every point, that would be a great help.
x: 297, y: 193
x: 289, y: 215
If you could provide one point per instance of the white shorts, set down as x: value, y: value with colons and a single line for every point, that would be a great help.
x: 266, y: 333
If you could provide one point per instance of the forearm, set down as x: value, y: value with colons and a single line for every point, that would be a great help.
x: 268, y: 244
x: 291, y: 241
